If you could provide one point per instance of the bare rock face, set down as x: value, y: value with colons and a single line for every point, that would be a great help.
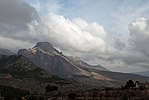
x: 45, y: 46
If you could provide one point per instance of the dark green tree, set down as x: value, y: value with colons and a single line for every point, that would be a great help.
x: 129, y: 84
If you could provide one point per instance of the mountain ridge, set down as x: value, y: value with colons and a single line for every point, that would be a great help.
x: 143, y: 73
x: 6, y: 52
x: 69, y: 68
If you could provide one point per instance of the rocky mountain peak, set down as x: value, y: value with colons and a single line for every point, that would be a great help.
x: 45, y: 46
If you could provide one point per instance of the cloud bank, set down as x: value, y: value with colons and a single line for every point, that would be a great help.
x: 72, y: 35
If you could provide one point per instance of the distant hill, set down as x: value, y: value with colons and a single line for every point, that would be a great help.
x: 145, y: 73
x: 5, y: 52
x: 19, y: 66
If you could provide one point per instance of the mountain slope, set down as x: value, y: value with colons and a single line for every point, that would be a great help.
x: 19, y: 66
x: 18, y: 72
x: 86, y: 65
x: 5, y: 52
x: 145, y: 73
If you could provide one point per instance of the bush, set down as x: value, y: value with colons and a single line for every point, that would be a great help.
x: 129, y: 84
x: 49, y: 88
x: 10, y: 92
x: 72, y: 96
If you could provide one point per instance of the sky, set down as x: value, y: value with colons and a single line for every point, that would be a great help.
x: 113, y: 33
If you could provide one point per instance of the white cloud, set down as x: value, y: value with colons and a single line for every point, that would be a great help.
x: 140, y: 27
x: 135, y: 54
x: 127, y: 12
x: 77, y: 35
x: 94, y: 28
x: 139, y: 35
x: 14, y: 44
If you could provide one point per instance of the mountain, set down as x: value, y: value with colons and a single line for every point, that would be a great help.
x: 144, y: 73
x: 46, y: 57
x: 47, y: 47
x: 86, y: 65
x: 5, y: 52
x: 32, y: 69
x: 19, y: 66
x: 19, y: 72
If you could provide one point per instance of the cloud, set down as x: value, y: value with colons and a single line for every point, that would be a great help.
x: 13, y: 44
x: 15, y: 17
x: 133, y: 53
x: 93, y: 28
x: 53, y: 6
x: 72, y: 35
x: 20, y: 22
x: 127, y: 11
x: 16, y: 13
x: 139, y: 35
x: 139, y: 27
x: 130, y: 54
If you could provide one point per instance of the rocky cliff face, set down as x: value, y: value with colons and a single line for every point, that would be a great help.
x: 47, y: 47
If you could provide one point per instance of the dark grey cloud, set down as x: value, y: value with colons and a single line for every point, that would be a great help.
x: 15, y: 18
x: 17, y: 13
